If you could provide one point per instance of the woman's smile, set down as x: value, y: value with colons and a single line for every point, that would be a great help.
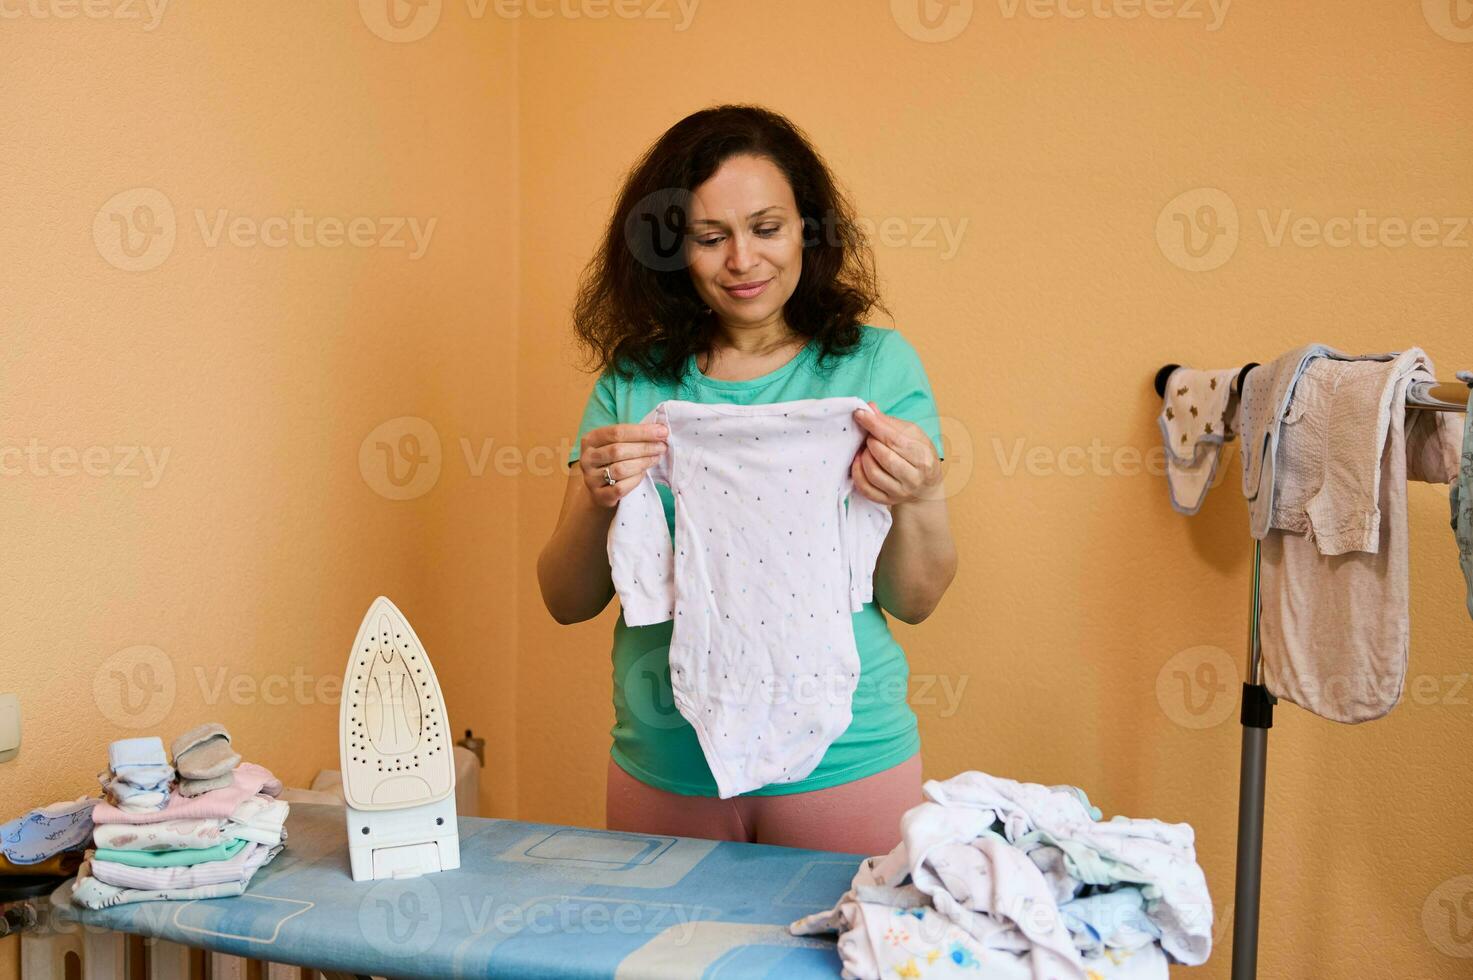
x: 747, y: 290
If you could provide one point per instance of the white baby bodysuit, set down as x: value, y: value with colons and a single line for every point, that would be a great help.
x: 766, y: 568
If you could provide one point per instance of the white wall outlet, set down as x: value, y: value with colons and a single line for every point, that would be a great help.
x: 9, y: 727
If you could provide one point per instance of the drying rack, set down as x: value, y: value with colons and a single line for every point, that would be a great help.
x: 1257, y: 715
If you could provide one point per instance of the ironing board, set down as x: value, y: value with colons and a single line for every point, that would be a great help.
x: 529, y: 900
x: 533, y: 901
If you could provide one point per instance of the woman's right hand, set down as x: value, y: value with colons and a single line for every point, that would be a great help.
x: 627, y: 449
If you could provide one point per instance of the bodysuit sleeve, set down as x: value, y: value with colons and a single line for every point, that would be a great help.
x: 866, y: 524
x: 641, y: 557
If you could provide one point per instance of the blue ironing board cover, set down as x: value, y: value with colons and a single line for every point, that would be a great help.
x: 530, y: 900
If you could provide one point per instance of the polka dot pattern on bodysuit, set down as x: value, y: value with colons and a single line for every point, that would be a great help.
x: 772, y: 554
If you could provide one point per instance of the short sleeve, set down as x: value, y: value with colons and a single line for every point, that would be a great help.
x: 866, y: 525
x: 899, y: 386
x: 641, y: 553
x: 600, y: 410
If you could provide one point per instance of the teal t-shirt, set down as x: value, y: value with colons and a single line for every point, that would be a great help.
x: 652, y: 741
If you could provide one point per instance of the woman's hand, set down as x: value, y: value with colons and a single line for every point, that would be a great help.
x: 627, y: 449
x: 897, y: 463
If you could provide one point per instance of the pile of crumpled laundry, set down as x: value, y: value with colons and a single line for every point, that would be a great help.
x: 153, y: 836
x: 998, y: 878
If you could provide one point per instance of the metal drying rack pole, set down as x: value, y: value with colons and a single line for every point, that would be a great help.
x: 1257, y: 715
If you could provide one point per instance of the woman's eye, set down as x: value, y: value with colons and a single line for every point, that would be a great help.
x: 766, y: 231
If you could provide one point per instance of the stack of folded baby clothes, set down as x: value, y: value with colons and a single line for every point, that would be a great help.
x: 220, y: 825
x: 1003, y: 879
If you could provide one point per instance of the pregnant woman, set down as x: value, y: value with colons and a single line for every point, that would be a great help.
x: 733, y: 271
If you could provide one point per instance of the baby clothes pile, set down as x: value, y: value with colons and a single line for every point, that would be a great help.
x: 217, y: 826
x: 997, y: 878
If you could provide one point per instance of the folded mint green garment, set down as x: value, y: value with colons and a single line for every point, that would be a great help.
x: 171, y: 859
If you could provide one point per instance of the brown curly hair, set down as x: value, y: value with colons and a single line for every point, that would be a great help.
x: 637, y: 308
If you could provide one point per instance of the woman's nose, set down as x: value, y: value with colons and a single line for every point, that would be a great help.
x: 739, y: 255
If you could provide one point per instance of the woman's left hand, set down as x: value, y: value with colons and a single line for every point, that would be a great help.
x: 897, y: 463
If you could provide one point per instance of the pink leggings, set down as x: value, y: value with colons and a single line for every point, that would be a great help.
x: 860, y: 817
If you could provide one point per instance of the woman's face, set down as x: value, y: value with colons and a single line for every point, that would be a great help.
x: 745, y: 231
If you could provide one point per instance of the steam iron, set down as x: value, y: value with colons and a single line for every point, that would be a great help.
x: 397, y: 761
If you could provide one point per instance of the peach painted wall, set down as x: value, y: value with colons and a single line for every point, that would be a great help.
x: 1023, y: 168
x: 260, y: 348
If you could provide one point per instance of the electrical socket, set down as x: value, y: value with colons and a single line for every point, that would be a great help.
x: 9, y: 727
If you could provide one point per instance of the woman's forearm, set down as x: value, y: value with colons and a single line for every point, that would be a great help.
x: 573, y: 568
x: 917, y: 562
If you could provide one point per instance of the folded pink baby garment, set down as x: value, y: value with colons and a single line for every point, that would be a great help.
x: 250, y: 779
x: 260, y: 819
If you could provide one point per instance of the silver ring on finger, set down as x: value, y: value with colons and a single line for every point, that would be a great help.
x: 609, y: 477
